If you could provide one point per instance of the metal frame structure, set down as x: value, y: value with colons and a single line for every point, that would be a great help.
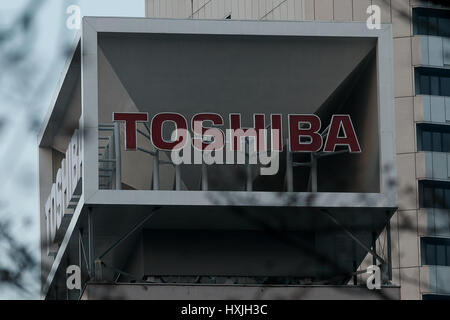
x: 93, y: 193
x: 387, y: 198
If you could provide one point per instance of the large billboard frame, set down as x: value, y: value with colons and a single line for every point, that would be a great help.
x: 387, y: 198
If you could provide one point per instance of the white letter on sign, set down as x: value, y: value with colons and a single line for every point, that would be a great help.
x: 374, y: 280
x: 74, y: 277
x: 374, y: 21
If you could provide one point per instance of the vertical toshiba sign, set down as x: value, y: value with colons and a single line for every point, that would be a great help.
x: 65, y: 193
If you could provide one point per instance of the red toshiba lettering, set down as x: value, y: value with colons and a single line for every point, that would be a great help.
x: 238, y: 132
x: 130, y: 119
x: 349, y: 138
x: 257, y: 131
x: 312, y: 132
x: 157, y: 126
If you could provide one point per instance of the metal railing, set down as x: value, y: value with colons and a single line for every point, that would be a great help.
x: 110, y: 165
x: 110, y: 174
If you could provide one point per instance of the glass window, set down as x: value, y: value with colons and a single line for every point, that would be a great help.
x: 431, y: 22
x: 432, y: 81
x: 434, y: 86
x: 433, y: 137
x: 422, y: 25
x: 430, y: 254
x: 435, y: 251
x: 446, y: 142
x: 445, y: 86
x: 448, y: 255
x: 447, y: 198
x: 438, y: 198
x: 437, y: 143
x: 433, y: 26
x: 444, y: 27
x: 435, y: 297
x: 440, y: 255
x: 427, y: 197
x: 434, y: 194
x: 426, y: 141
x: 424, y: 84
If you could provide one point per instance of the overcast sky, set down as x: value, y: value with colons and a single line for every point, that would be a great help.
x: 26, y: 91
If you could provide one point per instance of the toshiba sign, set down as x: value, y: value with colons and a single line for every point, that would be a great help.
x: 65, y: 192
x: 305, y: 134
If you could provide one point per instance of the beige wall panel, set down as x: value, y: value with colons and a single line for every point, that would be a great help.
x: 401, y: 18
x: 241, y: 9
x: 298, y: 10
x: 309, y: 9
x: 409, y: 282
x: 184, y: 9
x: 394, y: 241
x: 262, y: 8
x: 418, y: 109
x: 421, y: 165
x: 404, y: 118
x: 408, y: 240
x: 162, y: 8
x: 207, y: 10
x: 396, y: 276
x: 416, y: 43
x: 422, y: 223
x: 283, y: 10
x: 148, y: 8
x: 248, y: 9
x: 403, y: 67
x: 255, y: 9
x: 195, y: 5
x: 360, y: 9
x: 425, y: 281
x: 407, y: 184
x: 277, y: 13
x: 343, y: 10
x: 324, y: 10
x: 290, y: 9
x: 227, y: 6
x: 156, y: 8
x: 235, y: 9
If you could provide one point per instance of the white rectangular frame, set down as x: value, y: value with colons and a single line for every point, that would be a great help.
x: 387, y: 198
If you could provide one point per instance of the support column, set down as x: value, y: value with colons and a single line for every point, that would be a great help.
x: 117, y: 156
x: 289, y: 170
x: 374, y: 248
x: 91, y: 243
x: 156, y: 170
x: 389, y: 248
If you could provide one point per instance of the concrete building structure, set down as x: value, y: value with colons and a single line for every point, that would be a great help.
x: 154, y: 230
x: 420, y: 228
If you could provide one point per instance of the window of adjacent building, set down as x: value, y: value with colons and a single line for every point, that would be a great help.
x: 430, y: 296
x: 432, y: 81
x: 434, y: 194
x: 435, y: 251
x: 433, y: 137
x: 431, y: 22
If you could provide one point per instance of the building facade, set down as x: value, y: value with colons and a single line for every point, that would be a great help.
x: 140, y: 227
x: 421, y: 226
